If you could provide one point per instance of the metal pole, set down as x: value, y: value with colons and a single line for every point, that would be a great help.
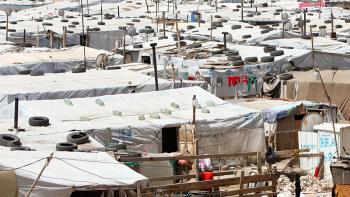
x: 153, y: 45
x: 101, y: 12
x: 283, y: 30
x: 24, y: 36
x: 332, y: 24
x: 7, y: 26
x: 225, y: 46
x: 118, y: 12
x: 83, y: 31
x: 211, y: 27
x: 164, y: 24
x: 242, y: 4
x: 251, y: 3
x: 124, y: 47
x: 15, y: 124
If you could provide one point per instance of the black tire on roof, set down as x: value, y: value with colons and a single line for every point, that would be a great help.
x: 39, y: 121
x: 246, y: 36
x: 9, y: 140
x: 137, y: 46
x: 78, y: 138
x: 277, y: 53
x: 231, y: 53
x: 24, y: 72
x: 251, y: 59
x: 233, y: 27
x: 65, y: 146
x: 234, y: 58
x: 237, y: 63
x: 264, y: 31
x: 78, y: 69
x: 268, y: 49
x: 267, y: 59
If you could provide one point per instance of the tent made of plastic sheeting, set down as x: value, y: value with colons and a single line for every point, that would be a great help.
x: 320, y: 44
x: 307, y: 86
x: 67, y: 172
x: 138, y: 119
x: 49, y: 60
x: 78, y: 85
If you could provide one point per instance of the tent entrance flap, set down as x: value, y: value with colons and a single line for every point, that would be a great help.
x: 169, y: 139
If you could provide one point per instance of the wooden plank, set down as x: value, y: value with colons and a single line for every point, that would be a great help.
x: 192, y: 157
x: 258, y: 162
x: 188, y: 176
x: 241, y: 181
x: 182, y: 187
x: 246, y: 191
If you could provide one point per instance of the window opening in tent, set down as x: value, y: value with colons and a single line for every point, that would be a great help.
x: 170, y: 140
x: 146, y: 59
x: 83, y: 40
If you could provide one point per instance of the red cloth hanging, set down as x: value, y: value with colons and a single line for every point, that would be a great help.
x: 233, y: 80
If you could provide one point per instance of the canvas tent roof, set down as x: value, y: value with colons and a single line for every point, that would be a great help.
x: 122, y: 113
x: 66, y: 172
x: 78, y: 85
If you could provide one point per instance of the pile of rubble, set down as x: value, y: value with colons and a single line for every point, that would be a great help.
x: 308, y: 184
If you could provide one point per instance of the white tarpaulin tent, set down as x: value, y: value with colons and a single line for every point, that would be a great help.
x: 240, y: 128
x: 79, y: 85
x: 66, y: 172
x: 49, y: 60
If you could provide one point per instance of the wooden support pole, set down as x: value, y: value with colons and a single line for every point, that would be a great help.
x: 241, y: 181
x: 40, y: 173
x: 199, y: 19
x: 177, y: 35
x: 197, y: 161
x: 138, y: 189
x: 258, y: 161
x: 274, y: 184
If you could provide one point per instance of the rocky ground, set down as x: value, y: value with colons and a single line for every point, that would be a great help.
x: 309, y: 184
